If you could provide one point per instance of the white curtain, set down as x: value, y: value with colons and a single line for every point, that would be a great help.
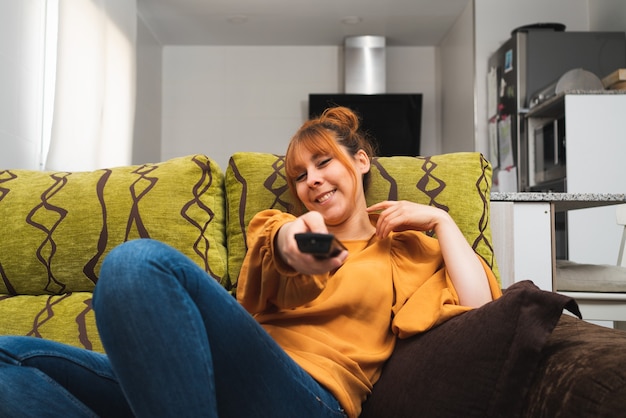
x: 94, y: 99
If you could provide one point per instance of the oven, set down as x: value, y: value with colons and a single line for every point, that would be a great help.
x: 549, y: 150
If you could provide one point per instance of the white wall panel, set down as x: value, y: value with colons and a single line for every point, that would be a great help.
x: 219, y: 100
x: 147, y: 134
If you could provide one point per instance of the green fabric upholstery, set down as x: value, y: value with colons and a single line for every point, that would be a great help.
x: 254, y: 181
x: 66, y: 318
x: 459, y: 183
x: 57, y: 227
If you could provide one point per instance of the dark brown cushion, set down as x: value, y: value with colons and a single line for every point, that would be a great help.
x: 478, y: 364
x: 582, y: 373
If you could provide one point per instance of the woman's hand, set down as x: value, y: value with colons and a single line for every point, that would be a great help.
x: 404, y: 215
x: 287, y: 246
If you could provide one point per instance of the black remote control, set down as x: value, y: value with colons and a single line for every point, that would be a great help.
x: 320, y: 245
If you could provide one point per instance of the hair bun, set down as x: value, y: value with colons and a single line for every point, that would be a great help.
x: 342, y: 117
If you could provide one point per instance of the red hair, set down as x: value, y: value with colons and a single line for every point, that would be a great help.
x: 337, y: 126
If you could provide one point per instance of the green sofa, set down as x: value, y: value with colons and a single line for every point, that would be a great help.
x: 57, y: 227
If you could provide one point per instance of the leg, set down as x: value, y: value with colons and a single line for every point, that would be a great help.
x: 182, y: 346
x: 41, y: 378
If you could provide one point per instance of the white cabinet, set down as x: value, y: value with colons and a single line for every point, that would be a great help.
x: 523, y: 235
x: 595, y: 148
x: 596, y: 162
x: 522, y: 241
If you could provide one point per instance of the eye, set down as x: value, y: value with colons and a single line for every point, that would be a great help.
x: 300, y: 177
x: 324, y: 162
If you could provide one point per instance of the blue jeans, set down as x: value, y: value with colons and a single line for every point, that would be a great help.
x: 178, y: 345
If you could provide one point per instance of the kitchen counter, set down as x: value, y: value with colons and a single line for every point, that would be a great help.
x: 562, y: 201
x: 524, y: 231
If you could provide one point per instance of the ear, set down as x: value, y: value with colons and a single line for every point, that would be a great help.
x: 362, y: 161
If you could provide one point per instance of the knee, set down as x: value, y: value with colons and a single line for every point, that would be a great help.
x: 127, y: 257
x: 125, y: 268
x: 132, y: 250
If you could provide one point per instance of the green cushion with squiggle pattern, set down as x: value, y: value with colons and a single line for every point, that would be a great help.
x: 57, y: 227
x: 459, y: 183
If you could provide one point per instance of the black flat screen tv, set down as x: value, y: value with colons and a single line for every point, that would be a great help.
x: 394, y: 121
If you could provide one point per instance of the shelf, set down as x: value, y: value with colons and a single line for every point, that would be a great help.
x: 555, y: 106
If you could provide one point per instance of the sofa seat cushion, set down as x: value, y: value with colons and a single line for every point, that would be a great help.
x: 57, y: 227
x: 459, y: 183
x: 67, y: 318
x: 582, y: 373
x: 478, y: 364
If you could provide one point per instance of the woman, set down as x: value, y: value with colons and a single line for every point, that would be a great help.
x: 320, y: 331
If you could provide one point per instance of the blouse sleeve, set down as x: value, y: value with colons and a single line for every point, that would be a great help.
x: 425, y: 295
x: 266, y: 282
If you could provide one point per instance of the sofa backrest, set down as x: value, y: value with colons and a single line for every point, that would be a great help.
x: 56, y: 227
x: 459, y: 183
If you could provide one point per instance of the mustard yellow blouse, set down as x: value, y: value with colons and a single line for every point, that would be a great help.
x: 341, y: 326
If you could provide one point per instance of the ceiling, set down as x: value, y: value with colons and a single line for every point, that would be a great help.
x: 298, y: 22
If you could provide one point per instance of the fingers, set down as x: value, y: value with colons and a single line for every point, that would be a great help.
x: 380, y: 206
x: 388, y: 218
x: 302, y: 262
x: 313, y: 222
x: 402, y: 215
x: 309, y: 264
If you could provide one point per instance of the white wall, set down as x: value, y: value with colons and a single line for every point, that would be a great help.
x: 220, y: 100
x: 21, y: 82
x: 457, y: 74
x: 147, y: 134
x: 607, y: 15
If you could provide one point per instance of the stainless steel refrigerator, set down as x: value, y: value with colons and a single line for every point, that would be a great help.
x: 534, y: 57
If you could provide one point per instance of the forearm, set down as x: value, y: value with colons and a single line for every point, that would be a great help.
x: 464, y: 268
x: 265, y: 278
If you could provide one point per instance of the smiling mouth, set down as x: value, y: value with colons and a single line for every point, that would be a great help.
x: 325, y: 197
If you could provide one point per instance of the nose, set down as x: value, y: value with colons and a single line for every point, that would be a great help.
x: 313, y: 178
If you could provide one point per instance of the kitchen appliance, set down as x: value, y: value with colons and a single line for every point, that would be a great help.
x: 527, y: 64
x: 546, y: 134
x: 393, y: 120
x: 549, y: 147
x: 365, y: 65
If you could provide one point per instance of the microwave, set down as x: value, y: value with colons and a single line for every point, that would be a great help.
x: 550, y: 152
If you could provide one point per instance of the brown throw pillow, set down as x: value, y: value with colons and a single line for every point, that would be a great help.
x: 478, y: 364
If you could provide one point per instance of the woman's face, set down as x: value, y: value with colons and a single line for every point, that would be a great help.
x: 325, y: 185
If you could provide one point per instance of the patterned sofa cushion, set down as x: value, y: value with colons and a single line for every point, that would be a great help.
x: 459, y: 183
x: 57, y: 227
x: 66, y: 318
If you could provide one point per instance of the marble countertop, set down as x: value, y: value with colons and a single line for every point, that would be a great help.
x: 562, y: 201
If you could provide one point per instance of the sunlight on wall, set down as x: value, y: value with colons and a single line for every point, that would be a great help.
x: 94, y: 97
x: 50, y: 61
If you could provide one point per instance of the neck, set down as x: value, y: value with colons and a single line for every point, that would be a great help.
x: 358, y: 227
